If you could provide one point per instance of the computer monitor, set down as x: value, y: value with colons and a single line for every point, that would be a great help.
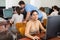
x: 53, y: 26
x: 7, y: 13
x: 47, y: 10
x: 1, y: 11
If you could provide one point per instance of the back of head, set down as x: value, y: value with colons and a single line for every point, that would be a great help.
x: 42, y: 9
x: 18, y: 10
x: 21, y: 2
x: 56, y: 8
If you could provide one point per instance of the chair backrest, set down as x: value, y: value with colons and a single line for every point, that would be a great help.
x: 21, y: 28
x: 44, y: 22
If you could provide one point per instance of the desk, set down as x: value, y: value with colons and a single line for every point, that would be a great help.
x: 42, y: 34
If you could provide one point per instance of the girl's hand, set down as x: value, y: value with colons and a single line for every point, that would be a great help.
x: 35, y: 38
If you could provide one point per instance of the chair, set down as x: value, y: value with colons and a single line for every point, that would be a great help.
x: 45, y: 22
x: 21, y: 28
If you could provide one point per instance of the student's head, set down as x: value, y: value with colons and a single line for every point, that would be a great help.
x: 34, y: 15
x: 22, y: 4
x: 18, y: 10
x: 55, y: 8
x: 42, y: 9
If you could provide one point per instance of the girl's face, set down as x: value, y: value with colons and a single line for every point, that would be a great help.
x: 35, y: 16
x: 22, y: 5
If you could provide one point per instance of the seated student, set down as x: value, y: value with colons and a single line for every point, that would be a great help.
x: 4, y: 30
x: 55, y: 11
x: 33, y: 25
x: 3, y: 23
x: 44, y: 14
x: 16, y: 18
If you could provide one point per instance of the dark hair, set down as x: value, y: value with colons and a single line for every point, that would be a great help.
x: 21, y: 2
x: 59, y: 12
x: 33, y: 12
x: 42, y: 9
x: 56, y: 7
x: 18, y: 10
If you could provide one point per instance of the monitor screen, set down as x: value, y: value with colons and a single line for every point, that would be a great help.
x: 7, y: 13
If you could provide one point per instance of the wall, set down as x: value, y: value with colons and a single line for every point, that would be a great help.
x: 2, y: 3
x: 46, y: 3
x: 10, y: 3
x: 27, y: 1
x: 50, y: 3
x: 37, y: 3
